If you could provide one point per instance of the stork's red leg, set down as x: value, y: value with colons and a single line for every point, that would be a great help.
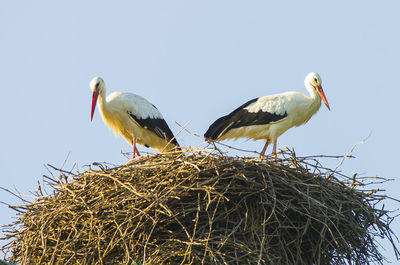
x: 133, y: 145
x: 274, y: 148
x: 135, y: 151
x: 265, y: 148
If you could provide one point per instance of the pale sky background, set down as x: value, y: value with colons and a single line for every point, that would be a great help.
x: 196, y: 61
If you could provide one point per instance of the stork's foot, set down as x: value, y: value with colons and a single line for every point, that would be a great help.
x: 133, y: 160
x: 274, y: 156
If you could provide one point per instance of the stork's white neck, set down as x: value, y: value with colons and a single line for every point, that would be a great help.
x: 314, y: 100
x: 101, y: 100
x: 311, y: 90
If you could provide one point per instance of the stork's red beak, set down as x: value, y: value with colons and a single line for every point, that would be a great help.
x: 94, y: 101
x: 322, y: 94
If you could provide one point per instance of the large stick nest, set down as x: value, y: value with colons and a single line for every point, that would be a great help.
x: 202, y: 208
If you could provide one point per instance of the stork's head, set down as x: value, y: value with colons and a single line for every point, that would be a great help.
x: 313, y: 81
x: 97, y: 86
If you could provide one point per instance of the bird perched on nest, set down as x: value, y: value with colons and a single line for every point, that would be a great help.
x: 133, y: 117
x: 270, y: 116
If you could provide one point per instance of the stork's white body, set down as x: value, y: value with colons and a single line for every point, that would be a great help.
x: 115, y: 116
x: 298, y: 107
x: 134, y: 118
x: 268, y: 117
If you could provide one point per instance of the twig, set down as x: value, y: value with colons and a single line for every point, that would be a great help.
x: 351, y: 151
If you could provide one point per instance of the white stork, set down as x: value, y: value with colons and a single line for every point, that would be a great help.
x: 270, y: 116
x: 133, y: 117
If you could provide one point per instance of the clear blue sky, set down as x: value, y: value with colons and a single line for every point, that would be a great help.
x: 196, y: 61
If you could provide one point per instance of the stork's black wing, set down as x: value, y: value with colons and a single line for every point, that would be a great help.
x: 240, y: 117
x: 157, y: 125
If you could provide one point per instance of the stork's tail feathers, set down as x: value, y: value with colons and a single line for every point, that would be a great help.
x: 175, y: 142
x: 177, y: 146
x: 217, y: 129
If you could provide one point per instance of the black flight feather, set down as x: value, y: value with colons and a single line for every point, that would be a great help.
x: 158, y: 126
